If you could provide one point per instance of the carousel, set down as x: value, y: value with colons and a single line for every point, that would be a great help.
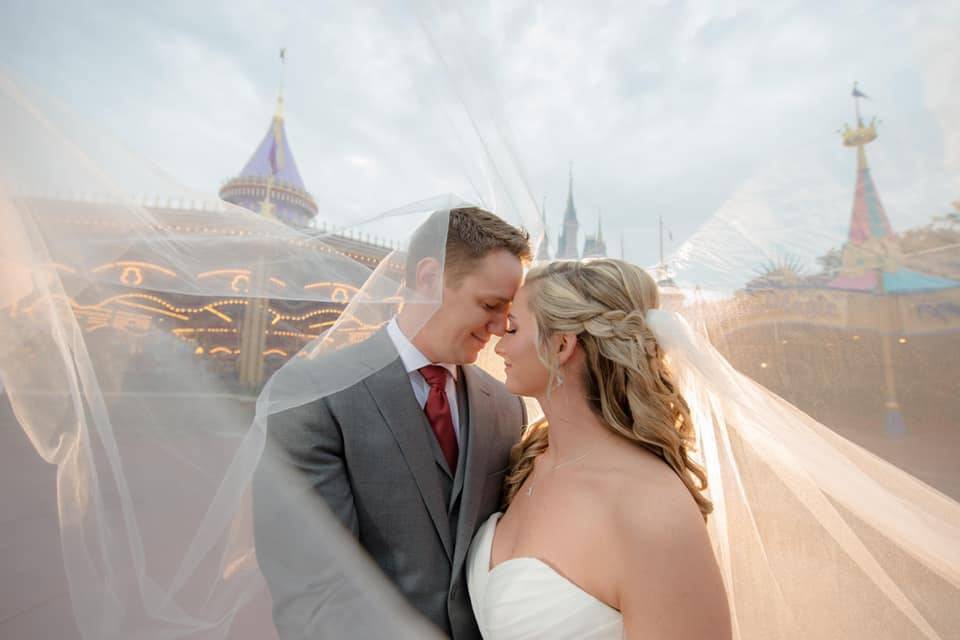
x: 886, y: 306
x: 242, y: 339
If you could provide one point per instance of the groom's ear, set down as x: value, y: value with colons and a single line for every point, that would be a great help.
x: 429, y: 276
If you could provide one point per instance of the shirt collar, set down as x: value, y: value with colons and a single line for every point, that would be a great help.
x: 413, y: 359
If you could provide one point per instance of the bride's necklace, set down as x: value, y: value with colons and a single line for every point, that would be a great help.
x: 533, y: 481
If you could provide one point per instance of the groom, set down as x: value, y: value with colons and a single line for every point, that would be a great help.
x: 411, y: 459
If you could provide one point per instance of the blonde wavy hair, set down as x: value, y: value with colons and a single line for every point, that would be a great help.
x: 603, y: 302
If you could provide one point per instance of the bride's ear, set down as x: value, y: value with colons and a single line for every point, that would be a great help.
x: 566, y: 347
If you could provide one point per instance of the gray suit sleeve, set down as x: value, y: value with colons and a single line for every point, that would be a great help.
x: 302, y: 478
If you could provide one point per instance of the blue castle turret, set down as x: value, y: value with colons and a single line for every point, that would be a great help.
x: 270, y: 182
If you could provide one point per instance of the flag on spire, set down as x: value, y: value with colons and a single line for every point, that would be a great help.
x: 275, y: 155
x: 274, y: 168
x: 856, y: 93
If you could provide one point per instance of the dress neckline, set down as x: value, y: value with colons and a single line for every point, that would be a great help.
x: 534, y: 561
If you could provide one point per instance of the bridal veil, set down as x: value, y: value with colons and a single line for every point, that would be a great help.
x: 148, y: 331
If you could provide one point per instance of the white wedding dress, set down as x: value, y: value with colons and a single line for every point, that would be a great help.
x: 526, y: 599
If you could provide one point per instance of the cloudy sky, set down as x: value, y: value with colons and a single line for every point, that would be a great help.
x: 713, y: 113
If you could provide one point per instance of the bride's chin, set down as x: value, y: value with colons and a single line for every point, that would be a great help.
x: 518, y: 389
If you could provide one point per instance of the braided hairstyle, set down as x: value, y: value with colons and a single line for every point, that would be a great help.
x: 603, y: 302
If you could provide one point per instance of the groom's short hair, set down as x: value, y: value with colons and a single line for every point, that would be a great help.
x: 472, y: 233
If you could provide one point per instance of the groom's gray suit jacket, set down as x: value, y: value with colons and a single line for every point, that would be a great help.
x: 368, y: 451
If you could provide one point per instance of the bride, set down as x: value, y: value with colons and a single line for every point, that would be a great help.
x: 603, y: 533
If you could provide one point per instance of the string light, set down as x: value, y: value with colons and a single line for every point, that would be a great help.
x: 133, y: 264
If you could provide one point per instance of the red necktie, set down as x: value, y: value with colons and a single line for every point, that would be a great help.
x: 438, y: 413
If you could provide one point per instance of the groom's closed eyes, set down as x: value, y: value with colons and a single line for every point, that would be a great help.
x: 497, y: 304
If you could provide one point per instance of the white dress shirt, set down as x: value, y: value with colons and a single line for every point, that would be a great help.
x: 413, y: 359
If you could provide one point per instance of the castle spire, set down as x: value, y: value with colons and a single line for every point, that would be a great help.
x: 571, y: 211
x: 278, y: 115
x: 594, y: 246
x: 543, y: 250
x: 568, y: 237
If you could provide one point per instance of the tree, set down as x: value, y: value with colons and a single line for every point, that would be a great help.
x: 830, y: 262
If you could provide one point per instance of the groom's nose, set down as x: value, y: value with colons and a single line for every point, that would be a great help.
x: 498, y: 326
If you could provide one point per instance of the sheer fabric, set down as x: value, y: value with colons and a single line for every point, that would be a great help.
x: 825, y: 400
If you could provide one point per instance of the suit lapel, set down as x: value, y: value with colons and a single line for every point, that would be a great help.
x: 390, y: 388
x: 481, y: 418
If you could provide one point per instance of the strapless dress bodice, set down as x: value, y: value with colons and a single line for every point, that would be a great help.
x: 526, y: 599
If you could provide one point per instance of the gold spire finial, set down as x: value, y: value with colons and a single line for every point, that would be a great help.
x: 861, y: 134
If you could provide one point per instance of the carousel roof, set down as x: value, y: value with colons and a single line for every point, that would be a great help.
x: 869, y: 222
x: 274, y: 157
x: 868, y: 219
x: 899, y: 281
x: 858, y: 282
x: 909, y: 281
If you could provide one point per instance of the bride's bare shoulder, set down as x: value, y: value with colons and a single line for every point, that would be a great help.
x: 641, y: 477
x: 666, y: 559
x: 657, y: 509
x: 650, y: 500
